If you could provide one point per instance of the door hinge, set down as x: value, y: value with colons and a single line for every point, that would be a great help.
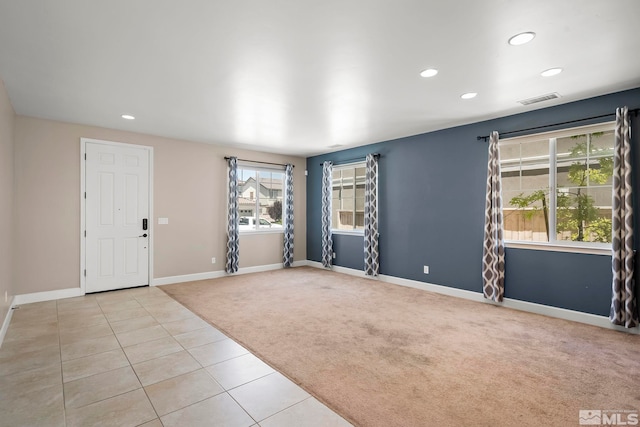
x: 85, y: 233
x: 85, y: 194
x: 85, y: 273
x: 85, y: 156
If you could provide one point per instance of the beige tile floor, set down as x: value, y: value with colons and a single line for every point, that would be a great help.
x: 138, y: 358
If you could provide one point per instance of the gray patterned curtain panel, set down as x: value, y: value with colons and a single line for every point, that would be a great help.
x: 233, y: 237
x: 288, y: 216
x: 624, y: 310
x: 493, y: 249
x: 371, y: 254
x: 327, y: 240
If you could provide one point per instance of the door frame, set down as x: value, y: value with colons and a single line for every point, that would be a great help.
x: 83, y: 210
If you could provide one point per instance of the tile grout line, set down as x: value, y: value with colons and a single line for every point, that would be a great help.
x: 89, y: 376
x: 134, y: 371
x: 277, y: 412
x: 194, y: 403
x: 64, y: 400
x: 100, y: 373
x: 107, y: 398
x: 288, y: 407
x: 204, y: 368
x: 130, y: 366
x: 183, y: 349
x: 209, y: 374
x: 225, y: 390
x: 242, y: 407
x: 250, y: 381
x: 180, y: 345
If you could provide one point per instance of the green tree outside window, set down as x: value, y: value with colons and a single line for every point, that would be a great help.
x: 575, y: 209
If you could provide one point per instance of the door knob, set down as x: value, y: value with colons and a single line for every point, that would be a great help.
x: 144, y: 235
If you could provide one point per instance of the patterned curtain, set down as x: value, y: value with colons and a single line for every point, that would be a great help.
x: 288, y: 216
x: 233, y: 237
x: 493, y: 249
x: 623, y: 302
x: 327, y: 241
x: 371, y: 254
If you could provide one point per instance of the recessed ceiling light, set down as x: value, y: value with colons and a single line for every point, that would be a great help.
x: 521, y: 38
x: 429, y: 72
x: 551, y: 72
x: 468, y: 95
x: 128, y: 117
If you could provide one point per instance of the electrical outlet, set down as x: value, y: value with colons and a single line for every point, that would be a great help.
x: 213, y: 260
x: 334, y: 255
x: 6, y: 296
x: 426, y: 269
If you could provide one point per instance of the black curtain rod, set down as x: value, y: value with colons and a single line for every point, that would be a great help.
x: 264, y: 163
x: 485, y: 138
x: 376, y: 155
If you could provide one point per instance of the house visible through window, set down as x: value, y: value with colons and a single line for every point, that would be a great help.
x: 556, y: 187
x: 260, y: 198
x: 348, y: 197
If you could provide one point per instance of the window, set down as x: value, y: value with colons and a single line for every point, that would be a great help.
x: 556, y: 187
x: 348, y: 197
x: 260, y: 198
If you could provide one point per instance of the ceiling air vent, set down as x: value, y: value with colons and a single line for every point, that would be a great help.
x: 335, y: 146
x: 540, y: 98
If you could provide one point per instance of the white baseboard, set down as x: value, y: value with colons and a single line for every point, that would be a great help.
x: 560, y: 313
x: 47, y: 296
x: 76, y: 292
x: 36, y: 297
x: 187, y: 278
x: 220, y: 273
x: 7, y: 320
x: 259, y: 268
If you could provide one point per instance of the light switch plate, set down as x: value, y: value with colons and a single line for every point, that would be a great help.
x: 163, y: 220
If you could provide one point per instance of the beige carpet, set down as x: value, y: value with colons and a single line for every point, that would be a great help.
x: 386, y: 355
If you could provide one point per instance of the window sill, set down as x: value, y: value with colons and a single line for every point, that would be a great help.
x: 557, y: 247
x: 349, y: 232
x: 246, y: 232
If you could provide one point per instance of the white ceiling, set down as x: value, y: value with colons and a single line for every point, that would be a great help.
x: 298, y: 76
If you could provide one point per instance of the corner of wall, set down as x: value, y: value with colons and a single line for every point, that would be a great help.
x: 6, y: 321
x: 7, y: 203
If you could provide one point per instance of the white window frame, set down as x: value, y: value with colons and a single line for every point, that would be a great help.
x: 354, y: 166
x: 261, y: 168
x: 596, y: 248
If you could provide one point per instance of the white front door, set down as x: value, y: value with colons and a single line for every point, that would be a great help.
x: 116, y: 216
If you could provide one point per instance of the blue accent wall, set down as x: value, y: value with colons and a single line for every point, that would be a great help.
x: 431, y: 206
